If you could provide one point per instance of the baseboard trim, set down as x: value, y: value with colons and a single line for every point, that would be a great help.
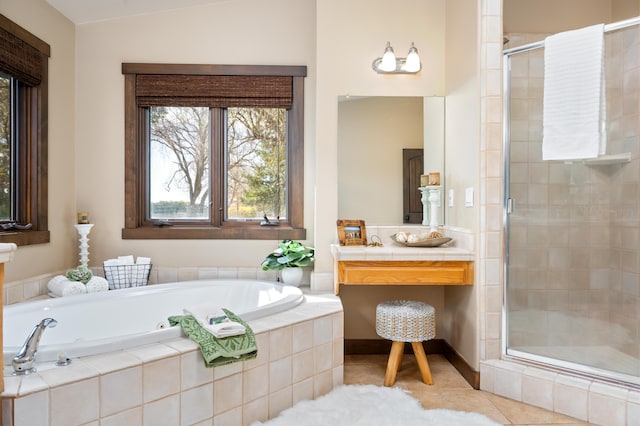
x: 433, y: 346
x: 470, y: 375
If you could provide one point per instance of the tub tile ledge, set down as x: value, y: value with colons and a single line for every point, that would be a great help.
x: 49, y: 375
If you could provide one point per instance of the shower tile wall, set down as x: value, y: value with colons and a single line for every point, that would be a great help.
x: 574, y: 265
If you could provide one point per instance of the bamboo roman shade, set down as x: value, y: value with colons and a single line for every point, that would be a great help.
x: 20, y: 59
x: 215, y: 91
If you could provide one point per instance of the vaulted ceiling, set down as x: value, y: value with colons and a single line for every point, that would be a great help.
x: 84, y: 11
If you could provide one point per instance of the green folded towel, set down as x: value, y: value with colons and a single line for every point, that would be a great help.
x: 217, y: 352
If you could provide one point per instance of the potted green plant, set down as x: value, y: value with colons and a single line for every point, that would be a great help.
x: 289, y: 258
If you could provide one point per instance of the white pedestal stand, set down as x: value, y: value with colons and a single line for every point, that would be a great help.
x: 425, y: 205
x: 83, y: 230
x: 432, y: 195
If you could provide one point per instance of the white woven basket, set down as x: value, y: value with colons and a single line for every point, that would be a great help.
x: 406, y: 321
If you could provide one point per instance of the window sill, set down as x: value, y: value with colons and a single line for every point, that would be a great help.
x: 209, y: 233
x: 25, y: 238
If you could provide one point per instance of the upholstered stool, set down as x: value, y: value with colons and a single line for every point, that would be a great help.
x: 406, y: 321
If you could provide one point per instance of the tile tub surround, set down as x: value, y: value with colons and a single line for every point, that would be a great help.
x: 300, y: 356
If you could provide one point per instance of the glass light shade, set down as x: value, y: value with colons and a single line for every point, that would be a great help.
x: 412, y: 63
x: 388, y: 59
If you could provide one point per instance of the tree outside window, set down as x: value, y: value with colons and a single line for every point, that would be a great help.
x: 213, y: 149
x: 6, y: 189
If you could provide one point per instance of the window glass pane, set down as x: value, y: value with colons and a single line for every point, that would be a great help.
x: 179, y: 156
x: 256, y: 154
x: 6, y: 187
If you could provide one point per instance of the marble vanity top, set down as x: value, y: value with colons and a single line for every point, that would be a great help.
x: 398, y: 252
x: 460, y: 248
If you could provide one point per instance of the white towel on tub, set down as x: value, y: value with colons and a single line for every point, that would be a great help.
x: 574, y: 109
x: 226, y: 329
x: 215, y: 321
x: 61, y: 286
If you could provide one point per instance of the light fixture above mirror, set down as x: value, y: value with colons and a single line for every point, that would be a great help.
x: 389, y: 64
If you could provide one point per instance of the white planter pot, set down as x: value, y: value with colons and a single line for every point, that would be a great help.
x: 291, y: 276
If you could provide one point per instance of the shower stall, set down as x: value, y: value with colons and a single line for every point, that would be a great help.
x: 572, y: 298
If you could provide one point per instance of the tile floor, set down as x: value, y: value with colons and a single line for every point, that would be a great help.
x: 449, y: 390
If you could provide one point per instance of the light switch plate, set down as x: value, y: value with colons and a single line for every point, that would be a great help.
x: 451, y: 203
x: 468, y: 197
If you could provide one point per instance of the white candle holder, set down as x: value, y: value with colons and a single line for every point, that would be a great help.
x: 425, y: 206
x: 430, y: 202
x: 83, y: 230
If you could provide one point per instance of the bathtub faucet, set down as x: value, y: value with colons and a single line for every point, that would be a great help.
x: 23, y: 362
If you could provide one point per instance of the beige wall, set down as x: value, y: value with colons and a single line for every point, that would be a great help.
x: 47, y: 24
x: 551, y: 16
x: 462, y: 118
x: 206, y: 34
x: 624, y: 9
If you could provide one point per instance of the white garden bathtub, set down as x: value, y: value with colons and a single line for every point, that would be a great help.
x: 96, y: 323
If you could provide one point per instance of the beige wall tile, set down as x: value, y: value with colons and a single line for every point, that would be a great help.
x: 131, y: 417
x: 120, y: 391
x: 302, y: 336
x: 322, y: 330
x: 255, y: 411
x: 322, y: 383
x: 508, y: 382
x: 537, y: 388
x: 338, y: 352
x: 228, y: 370
x: 31, y: 410
x: 279, y: 401
x: 162, y: 412
x: 262, y: 342
x: 302, y: 365
x: 280, y: 343
x: 76, y: 403
x: 607, y: 405
x: 323, y: 357
x: 227, y: 393
x: 338, y: 325
x: 303, y: 390
x: 161, y: 378
x: 256, y: 383
x: 196, y: 404
x: 229, y: 418
x: 571, y: 397
x: 279, y: 374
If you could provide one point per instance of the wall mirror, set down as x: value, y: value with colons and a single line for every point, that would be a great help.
x: 373, y: 131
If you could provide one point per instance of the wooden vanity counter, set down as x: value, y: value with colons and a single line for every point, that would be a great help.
x: 359, y: 265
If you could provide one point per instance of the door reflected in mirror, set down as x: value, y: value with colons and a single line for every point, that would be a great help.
x: 373, y: 132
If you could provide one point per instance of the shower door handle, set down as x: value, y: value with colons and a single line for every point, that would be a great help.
x: 511, y: 205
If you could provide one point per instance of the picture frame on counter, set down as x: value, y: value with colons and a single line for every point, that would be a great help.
x: 352, y: 232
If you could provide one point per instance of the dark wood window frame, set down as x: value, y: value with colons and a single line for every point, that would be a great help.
x: 25, y: 57
x: 136, y: 145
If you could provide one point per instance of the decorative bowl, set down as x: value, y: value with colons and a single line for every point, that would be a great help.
x: 422, y: 242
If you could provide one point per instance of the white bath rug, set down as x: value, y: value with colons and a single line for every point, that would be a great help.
x: 370, y: 405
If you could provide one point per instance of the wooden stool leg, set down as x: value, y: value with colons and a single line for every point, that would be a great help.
x: 421, y: 357
x: 395, y: 358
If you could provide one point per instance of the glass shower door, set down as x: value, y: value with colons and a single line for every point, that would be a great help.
x: 573, y: 228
